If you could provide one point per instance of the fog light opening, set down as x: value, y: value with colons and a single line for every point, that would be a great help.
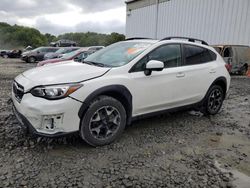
x: 52, y: 122
x: 49, y: 124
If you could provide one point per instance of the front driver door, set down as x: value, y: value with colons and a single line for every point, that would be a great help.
x: 157, y: 91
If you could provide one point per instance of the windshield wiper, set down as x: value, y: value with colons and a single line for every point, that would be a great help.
x: 94, y: 63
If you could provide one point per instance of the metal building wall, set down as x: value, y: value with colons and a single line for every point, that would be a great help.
x: 216, y: 21
x: 141, y: 22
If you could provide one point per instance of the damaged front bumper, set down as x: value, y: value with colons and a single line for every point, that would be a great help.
x: 47, y: 118
x: 27, y: 126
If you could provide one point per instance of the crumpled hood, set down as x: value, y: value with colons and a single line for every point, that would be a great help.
x: 68, y: 72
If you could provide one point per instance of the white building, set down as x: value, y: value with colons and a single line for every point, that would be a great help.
x: 215, y: 21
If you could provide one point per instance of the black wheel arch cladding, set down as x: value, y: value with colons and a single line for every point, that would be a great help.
x: 221, y: 81
x: 119, y: 92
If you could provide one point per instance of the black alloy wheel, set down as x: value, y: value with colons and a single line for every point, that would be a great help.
x: 103, y: 122
x: 214, y: 100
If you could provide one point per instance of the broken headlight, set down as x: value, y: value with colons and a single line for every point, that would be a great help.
x: 55, y: 92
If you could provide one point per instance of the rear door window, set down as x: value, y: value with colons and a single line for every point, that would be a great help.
x: 194, y: 55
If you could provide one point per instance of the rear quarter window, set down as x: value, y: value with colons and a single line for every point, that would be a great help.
x: 194, y: 55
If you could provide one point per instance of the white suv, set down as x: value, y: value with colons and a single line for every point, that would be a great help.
x: 118, y: 84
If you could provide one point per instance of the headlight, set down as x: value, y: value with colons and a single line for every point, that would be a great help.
x: 55, y: 92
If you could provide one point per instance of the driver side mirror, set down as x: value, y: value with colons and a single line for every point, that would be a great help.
x: 153, y: 65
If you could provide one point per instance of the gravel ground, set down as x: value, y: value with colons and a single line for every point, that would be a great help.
x: 181, y: 149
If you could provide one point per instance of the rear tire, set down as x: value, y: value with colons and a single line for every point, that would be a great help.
x: 103, y: 122
x: 244, y: 70
x: 213, y: 100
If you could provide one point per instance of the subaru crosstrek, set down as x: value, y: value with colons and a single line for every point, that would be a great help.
x: 119, y: 84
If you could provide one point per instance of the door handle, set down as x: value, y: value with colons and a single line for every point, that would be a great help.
x: 212, y: 71
x: 180, y: 74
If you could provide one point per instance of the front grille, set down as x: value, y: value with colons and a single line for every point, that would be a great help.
x: 18, y: 91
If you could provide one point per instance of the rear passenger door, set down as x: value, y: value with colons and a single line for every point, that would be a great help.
x: 198, y: 70
x: 40, y: 54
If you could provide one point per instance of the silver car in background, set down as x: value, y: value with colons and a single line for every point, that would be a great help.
x: 60, y: 52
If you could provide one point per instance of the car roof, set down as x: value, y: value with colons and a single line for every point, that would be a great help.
x: 70, y: 47
x: 94, y: 46
x: 48, y: 47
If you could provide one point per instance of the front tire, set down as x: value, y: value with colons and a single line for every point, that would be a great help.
x: 213, y: 100
x: 31, y: 59
x: 103, y: 122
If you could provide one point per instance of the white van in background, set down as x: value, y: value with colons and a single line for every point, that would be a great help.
x: 236, y: 56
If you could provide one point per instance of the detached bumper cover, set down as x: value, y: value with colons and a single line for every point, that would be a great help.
x: 25, y: 124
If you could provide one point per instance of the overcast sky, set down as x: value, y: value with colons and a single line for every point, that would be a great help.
x: 61, y: 16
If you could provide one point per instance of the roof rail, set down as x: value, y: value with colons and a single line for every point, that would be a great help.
x: 136, y: 38
x: 189, y: 39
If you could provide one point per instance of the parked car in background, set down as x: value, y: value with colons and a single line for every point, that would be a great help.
x: 121, y: 83
x: 60, y: 52
x: 11, y: 53
x: 78, y: 55
x: 63, y: 43
x: 37, y: 54
x: 3, y: 53
x: 14, y: 54
x: 237, y: 57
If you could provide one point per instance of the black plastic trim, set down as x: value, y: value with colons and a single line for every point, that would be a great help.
x: 224, y: 80
x: 188, y: 38
x: 110, y: 90
x: 152, y: 114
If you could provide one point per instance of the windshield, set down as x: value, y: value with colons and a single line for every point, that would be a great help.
x: 118, y: 54
x: 71, y: 54
x: 37, y: 49
x: 61, y: 51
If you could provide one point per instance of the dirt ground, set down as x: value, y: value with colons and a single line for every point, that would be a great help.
x: 183, y: 149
